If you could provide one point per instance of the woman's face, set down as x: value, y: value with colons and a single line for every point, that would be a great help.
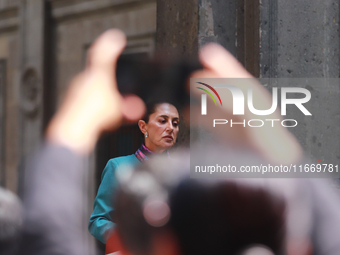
x: 162, y: 128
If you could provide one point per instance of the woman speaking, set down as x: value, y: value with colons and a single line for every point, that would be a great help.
x: 160, y: 129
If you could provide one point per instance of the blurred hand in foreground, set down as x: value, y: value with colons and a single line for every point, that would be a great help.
x: 275, y: 144
x: 93, y: 103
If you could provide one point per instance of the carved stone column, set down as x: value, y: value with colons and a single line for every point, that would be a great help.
x: 2, y: 120
x: 32, y: 73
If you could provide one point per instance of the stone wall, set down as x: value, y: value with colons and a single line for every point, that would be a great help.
x: 300, y: 39
x: 9, y: 96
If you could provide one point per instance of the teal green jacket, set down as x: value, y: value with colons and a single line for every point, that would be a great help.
x: 101, y: 224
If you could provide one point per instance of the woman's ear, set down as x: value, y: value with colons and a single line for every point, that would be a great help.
x: 142, y: 126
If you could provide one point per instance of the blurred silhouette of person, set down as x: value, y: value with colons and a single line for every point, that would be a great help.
x: 159, y: 207
x: 11, y: 221
x: 170, y: 211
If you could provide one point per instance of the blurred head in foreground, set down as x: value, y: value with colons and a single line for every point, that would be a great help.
x: 11, y: 221
x: 160, y: 210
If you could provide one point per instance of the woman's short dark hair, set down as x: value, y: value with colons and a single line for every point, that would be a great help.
x: 151, y: 108
x: 220, y: 216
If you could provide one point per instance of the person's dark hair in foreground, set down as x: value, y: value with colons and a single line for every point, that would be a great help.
x: 203, y: 216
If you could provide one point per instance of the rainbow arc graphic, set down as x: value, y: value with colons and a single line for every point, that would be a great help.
x: 212, y: 89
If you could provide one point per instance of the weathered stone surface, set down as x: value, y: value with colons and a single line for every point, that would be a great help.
x: 217, y: 23
x: 32, y: 74
x: 177, y: 26
x: 308, y: 39
x: 9, y: 122
x: 2, y: 120
x: 301, y: 39
x: 8, y: 4
x: 269, y: 40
